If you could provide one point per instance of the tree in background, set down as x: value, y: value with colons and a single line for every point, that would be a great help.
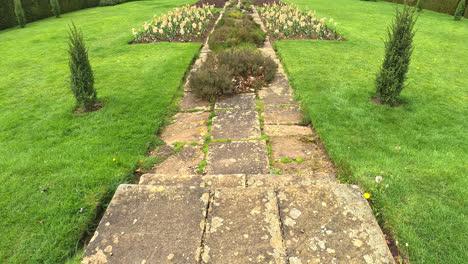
x: 460, y: 10
x: 420, y: 5
x: 20, y: 13
x: 81, y: 74
x: 54, y: 4
x: 398, y: 49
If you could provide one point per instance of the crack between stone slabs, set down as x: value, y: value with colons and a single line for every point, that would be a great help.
x: 281, y: 225
x: 205, y: 227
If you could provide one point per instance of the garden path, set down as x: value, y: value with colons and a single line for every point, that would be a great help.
x: 240, y: 209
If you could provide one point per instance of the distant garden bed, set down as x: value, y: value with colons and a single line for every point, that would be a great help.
x: 215, y: 3
x: 186, y: 24
x: 286, y: 21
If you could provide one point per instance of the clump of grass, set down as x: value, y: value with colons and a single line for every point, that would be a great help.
x: 19, y: 12
x: 81, y: 77
x: 460, y: 10
x: 398, y: 49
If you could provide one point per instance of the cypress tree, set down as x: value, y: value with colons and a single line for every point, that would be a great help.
x: 420, y: 5
x: 19, y: 12
x: 460, y: 10
x: 81, y: 74
x: 398, y: 49
x: 55, y: 6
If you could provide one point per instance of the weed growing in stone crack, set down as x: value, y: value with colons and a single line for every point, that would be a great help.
x: 178, y: 146
x: 276, y: 171
x: 207, y: 141
x: 221, y: 140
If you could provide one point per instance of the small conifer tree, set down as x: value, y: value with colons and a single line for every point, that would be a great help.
x: 55, y: 6
x: 19, y: 12
x: 420, y: 5
x: 460, y: 10
x: 398, y: 49
x: 81, y: 74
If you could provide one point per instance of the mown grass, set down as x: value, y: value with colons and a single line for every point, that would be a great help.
x: 425, y: 203
x: 55, y: 166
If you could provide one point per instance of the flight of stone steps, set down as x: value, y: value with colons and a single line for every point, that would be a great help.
x: 267, y: 194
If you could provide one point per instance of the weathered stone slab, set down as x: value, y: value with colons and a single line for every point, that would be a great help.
x: 330, y: 224
x: 235, y: 124
x: 150, y: 224
x: 278, y: 96
x: 224, y: 181
x: 311, y: 166
x: 282, y: 114
x: 245, y: 157
x: 238, y: 101
x: 191, y: 102
x: 268, y: 51
x: 187, y: 128
x: 292, y: 147
x: 285, y: 130
x: 185, y: 161
x: 276, y: 180
x: 299, y: 155
x: 244, y: 228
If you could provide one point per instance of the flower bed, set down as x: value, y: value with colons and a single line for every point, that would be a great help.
x: 186, y: 24
x: 236, y: 29
x: 289, y: 22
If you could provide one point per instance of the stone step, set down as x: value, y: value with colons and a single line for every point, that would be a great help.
x: 308, y: 223
x: 237, y: 180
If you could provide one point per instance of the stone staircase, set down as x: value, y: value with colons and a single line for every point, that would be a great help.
x: 268, y: 193
x: 240, y: 218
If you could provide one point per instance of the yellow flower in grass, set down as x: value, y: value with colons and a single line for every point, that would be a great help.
x: 114, y: 159
x: 367, y: 195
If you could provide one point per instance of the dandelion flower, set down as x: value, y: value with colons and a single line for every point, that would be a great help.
x: 366, y: 195
x: 379, y: 179
x: 113, y: 159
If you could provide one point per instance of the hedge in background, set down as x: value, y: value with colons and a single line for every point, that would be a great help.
x: 7, y: 14
x: 39, y: 9
x: 466, y: 11
x: 441, y: 6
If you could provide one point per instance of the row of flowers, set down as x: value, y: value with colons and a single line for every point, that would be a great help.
x: 182, y: 24
x: 288, y: 21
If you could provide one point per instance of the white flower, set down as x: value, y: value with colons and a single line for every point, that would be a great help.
x: 406, y: 244
x: 379, y: 179
x: 161, y: 31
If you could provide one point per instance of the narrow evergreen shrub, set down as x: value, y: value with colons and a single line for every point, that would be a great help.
x: 81, y: 74
x: 20, y: 13
x: 460, y: 10
x: 54, y: 4
x: 420, y: 5
x: 398, y: 49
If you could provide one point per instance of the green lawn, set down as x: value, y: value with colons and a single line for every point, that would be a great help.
x: 55, y: 166
x: 425, y: 204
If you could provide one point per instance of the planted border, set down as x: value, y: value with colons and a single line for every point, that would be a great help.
x: 289, y: 22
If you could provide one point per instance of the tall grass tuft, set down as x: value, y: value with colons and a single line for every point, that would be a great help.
x: 81, y: 74
x: 398, y: 49
x: 20, y: 13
